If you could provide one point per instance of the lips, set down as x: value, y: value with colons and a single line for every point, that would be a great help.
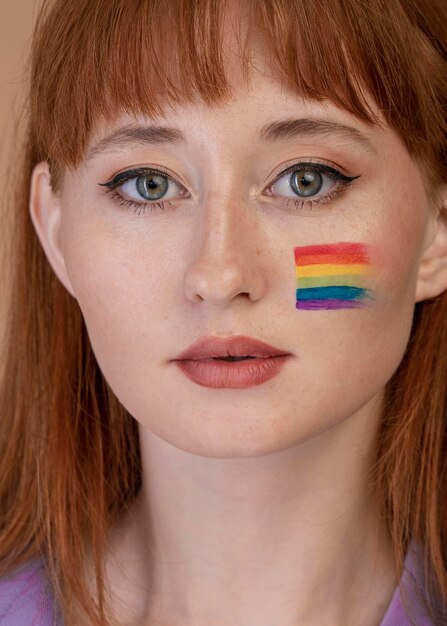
x: 236, y: 346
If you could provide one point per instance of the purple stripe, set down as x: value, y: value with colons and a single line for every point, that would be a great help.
x: 330, y: 303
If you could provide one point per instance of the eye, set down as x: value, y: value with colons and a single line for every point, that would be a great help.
x: 150, y: 187
x: 145, y: 185
x: 309, y: 180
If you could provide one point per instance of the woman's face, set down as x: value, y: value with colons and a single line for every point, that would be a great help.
x: 213, y: 254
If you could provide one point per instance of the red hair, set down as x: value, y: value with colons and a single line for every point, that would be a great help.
x: 69, y: 451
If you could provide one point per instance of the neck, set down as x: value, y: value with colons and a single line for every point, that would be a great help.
x: 288, y: 538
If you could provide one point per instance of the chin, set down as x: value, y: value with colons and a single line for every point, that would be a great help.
x: 221, y: 438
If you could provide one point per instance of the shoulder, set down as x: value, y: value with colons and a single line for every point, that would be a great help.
x: 26, y: 598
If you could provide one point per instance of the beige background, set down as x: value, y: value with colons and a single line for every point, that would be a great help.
x: 16, y: 20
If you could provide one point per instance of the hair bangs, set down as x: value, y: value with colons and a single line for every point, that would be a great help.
x: 134, y: 57
x: 141, y: 57
x: 333, y: 50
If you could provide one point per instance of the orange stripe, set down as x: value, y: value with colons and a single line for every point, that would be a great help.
x: 343, y: 258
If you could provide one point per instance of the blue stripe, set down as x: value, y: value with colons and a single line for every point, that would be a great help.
x: 323, y: 293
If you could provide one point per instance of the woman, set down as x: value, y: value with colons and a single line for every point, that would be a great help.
x: 225, y: 388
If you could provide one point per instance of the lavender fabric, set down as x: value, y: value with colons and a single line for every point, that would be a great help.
x: 26, y: 598
x: 407, y: 593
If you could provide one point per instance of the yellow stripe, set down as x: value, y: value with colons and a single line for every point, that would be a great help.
x: 330, y: 269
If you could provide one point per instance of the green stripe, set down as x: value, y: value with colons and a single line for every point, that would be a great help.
x: 351, y: 280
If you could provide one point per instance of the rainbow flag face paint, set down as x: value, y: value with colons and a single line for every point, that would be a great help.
x: 332, y: 276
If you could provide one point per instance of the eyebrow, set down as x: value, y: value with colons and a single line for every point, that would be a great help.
x: 134, y: 135
x: 274, y: 131
x: 311, y: 127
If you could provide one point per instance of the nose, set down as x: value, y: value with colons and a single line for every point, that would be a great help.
x: 227, y: 257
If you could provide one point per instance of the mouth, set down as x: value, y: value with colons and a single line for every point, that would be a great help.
x: 234, y: 362
x: 230, y: 349
x: 233, y: 372
x: 230, y: 359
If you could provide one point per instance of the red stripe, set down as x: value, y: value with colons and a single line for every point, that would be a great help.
x: 330, y: 248
x: 331, y: 258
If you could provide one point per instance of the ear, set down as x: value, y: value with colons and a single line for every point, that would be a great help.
x: 45, y: 215
x: 432, y: 278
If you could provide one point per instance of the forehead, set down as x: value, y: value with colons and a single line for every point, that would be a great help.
x: 262, y: 108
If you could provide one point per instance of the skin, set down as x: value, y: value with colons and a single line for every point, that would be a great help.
x: 254, y: 507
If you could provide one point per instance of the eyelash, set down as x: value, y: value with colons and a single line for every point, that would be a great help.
x: 342, y: 183
x: 124, y: 177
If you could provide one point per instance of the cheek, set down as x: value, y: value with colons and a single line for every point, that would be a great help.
x: 125, y: 299
x: 352, y: 275
x: 354, y: 310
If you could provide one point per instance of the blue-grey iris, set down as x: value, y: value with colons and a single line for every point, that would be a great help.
x: 306, y: 182
x: 152, y: 186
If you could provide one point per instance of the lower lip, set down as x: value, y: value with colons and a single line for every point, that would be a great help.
x: 235, y: 374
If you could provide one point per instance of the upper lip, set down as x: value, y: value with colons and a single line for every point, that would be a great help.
x: 237, y: 345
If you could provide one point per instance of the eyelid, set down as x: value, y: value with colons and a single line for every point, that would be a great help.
x: 341, y: 182
x: 316, y: 166
x: 126, y: 175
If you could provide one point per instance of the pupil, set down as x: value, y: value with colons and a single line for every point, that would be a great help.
x: 152, y: 187
x: 306, y: 183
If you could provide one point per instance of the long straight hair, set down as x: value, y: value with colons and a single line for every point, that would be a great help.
x: 69, y: 451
